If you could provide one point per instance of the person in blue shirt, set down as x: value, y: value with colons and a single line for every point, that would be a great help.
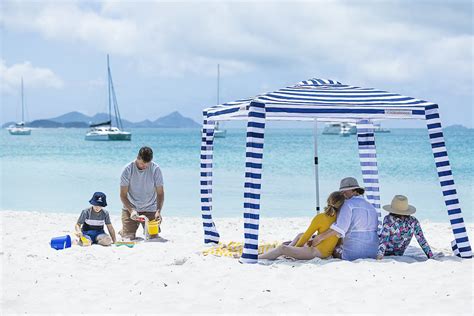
x: 356, y: 224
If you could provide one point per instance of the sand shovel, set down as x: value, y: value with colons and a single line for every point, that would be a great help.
x: 84, y: 241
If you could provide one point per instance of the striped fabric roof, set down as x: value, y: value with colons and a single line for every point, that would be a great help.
x: 325, y: 99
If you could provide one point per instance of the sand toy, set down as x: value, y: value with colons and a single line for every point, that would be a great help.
x: 152, y: 227
x: 128, y: 244
x: 61, y: 242
x: 85, y: 241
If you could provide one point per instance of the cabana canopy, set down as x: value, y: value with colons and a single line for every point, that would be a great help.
x: 322, y: 100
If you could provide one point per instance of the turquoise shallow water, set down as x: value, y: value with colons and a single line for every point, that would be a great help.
x: 56, y: 170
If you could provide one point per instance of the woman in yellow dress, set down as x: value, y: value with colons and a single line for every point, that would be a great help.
x: 301, y: 248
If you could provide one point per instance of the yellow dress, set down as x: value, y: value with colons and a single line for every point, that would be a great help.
x: 320, y: 224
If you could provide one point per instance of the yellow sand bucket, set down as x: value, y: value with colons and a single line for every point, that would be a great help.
x: 153, y: 227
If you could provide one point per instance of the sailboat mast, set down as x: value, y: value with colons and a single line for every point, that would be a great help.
x: 113, y: 100
x: 110, y: 99
x: 22, y: 103
x: 218, y: 81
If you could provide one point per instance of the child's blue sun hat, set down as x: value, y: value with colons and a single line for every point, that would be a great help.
x: 99, y: 199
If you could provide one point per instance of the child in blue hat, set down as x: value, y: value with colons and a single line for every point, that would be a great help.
x: 92, y: 220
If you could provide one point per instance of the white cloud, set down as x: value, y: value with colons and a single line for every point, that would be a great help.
x: 377, y: 41
x: 98, y: 82
x: 37, y: 77
x: 70, y: 22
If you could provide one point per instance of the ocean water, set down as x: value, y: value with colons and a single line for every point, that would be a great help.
x: 56, y: 170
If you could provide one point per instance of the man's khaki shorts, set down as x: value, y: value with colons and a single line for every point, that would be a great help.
x: 129, y: 226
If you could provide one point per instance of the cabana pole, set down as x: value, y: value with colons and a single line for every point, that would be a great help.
x: 316, y: 165
x: 253, y: 180
x: 460, y: 244
x: 207, y: 148
x: 368, y: 164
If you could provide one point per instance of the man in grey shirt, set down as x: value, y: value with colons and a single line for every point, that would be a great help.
x: 141, y: 192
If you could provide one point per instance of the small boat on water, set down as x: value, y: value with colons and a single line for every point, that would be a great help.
x: 105, y: 131
x: 379, y: 129
x: 19, y: 128
x: 219, y: 133
x: 340, y: 128
x: 346, y: 130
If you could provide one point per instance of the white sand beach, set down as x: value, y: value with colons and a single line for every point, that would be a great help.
x: 175, y: 278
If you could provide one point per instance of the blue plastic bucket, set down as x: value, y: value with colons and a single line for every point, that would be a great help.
x: 61, y: 242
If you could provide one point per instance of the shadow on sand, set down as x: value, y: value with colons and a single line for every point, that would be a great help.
x: 412, y: 255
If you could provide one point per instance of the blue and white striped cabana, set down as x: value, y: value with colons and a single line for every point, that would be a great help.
x: 323, y: 100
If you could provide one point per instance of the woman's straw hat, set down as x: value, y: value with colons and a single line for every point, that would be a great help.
x: 400, y: 206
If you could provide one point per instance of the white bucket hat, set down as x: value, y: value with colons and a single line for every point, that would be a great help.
x: 400, y: 206
x: 349, y: 183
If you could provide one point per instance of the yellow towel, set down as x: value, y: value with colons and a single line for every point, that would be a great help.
x: 234, y: 249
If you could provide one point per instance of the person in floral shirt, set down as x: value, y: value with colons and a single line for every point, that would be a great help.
x: 398, y: 229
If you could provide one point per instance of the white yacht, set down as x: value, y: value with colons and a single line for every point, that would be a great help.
x: 340, y: 128
x: 379, y: 129
x: 105, y: 131
x: 20, y: 128
x: 347, y: 130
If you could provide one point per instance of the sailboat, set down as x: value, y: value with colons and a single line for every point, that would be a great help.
x: 218, y: 133
x: 105, y: 131
x: 20, y: 128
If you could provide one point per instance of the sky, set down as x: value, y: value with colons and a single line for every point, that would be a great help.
x: 164, y: 54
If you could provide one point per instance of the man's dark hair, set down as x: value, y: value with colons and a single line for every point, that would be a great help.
x: 145, y: 154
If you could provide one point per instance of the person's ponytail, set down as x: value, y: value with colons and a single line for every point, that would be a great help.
x: 335, y: 202
x: 330, y: 210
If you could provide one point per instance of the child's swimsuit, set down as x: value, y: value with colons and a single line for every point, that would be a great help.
x: 93, y: 223
x: 397, y: 233
x: 320, y: 224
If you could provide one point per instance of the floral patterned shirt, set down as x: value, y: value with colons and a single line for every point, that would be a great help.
x: 397, y: 233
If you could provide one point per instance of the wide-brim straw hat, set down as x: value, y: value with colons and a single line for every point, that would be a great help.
x: 400, y: 206
x: 349, y: 183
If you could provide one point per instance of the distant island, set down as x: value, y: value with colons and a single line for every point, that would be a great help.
x: 79, y: 120
x: 456, y: 127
